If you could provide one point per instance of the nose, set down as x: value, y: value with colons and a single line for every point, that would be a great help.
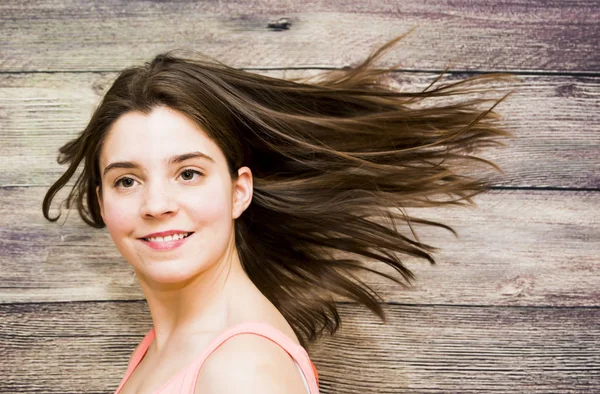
x: 158, y: 200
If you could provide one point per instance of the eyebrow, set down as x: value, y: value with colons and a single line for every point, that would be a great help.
x: 172, y: 160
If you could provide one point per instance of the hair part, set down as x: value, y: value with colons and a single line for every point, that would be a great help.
x: 329, y: 159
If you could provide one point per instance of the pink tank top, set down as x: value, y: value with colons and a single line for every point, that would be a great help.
x: 184, y: 382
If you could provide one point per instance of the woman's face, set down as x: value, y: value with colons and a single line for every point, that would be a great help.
x: 150, y: 186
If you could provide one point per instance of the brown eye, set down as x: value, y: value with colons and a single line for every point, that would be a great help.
x: 126, y: 182
x: 188, y: 174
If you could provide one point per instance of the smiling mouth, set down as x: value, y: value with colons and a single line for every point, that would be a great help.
x: 168, y: 238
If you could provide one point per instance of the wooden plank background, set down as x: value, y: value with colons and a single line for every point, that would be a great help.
x: 513, y: 304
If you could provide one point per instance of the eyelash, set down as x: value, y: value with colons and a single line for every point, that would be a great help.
x: 118, y: 181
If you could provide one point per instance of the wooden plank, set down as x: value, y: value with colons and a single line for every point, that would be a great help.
x: 514, y: 248
x: 512, y: 305
x: 553, y: 117
x: 424, y: 349
x: 51, y: 35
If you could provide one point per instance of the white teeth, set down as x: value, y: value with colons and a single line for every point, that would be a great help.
x: 168, y: 238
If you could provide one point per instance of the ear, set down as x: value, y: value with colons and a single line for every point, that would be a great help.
x: 242, y: 192
x: 99, y: 197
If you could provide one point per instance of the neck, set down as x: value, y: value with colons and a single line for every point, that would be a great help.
x: 208, y: 302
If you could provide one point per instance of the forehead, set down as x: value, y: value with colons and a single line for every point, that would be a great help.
x: 162, y: 133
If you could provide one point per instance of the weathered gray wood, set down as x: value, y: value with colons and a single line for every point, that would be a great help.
x: 61, y: 35
x: 515, y: 248
x: 84, y: 347
x: 512, y: 305
x: 554, y: 119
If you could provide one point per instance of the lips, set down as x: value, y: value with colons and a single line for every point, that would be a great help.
x: 165, y: 245
x: 168, y: 238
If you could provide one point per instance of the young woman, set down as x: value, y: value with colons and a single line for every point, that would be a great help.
x: 229, y: 193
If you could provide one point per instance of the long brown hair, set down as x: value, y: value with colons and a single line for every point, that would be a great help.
x: 329, y: 158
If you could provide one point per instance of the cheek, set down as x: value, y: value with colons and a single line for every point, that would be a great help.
x: 117, y: 219
x: 211, y: 209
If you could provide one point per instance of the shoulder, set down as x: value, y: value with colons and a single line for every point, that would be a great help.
x: 249, y: 363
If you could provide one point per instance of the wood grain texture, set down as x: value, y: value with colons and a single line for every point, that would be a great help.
x: 554, y: 119
x: 511, y: 306
x: 84, y: 347
x: 523, y: 248
x: 550, y: 36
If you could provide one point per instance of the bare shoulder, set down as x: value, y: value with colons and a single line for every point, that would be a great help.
x: 249, y: 363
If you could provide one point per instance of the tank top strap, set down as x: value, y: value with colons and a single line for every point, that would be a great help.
x: 137, y: 356
x: 185, y: 380
x: 297, y: 352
